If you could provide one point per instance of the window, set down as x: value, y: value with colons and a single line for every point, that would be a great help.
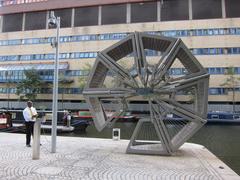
x: 206, y: 9
x: 144, y: 12
x: 232, y: 8
x: 12, y: 22
x: 114, y: 14
x: 14, y: 42
x: 35, y: 20
x: 176, y: 71
x: 233, y: 50
x: 174, y: 10
x: 217, y: 91
x: 65, y: 17
x: 86, y: 16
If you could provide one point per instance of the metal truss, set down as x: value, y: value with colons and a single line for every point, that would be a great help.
x: 170, y: 122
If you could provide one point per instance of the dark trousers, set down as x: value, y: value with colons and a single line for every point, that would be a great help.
x: 29, y: 131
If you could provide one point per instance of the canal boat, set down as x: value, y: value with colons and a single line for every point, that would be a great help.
x: 125, y: 117
x: 223, y: 117
x: 17, y: 122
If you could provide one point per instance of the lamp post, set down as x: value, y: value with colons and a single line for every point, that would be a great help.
x: 55, y: 22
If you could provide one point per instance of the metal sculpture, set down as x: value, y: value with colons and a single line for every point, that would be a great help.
x: 171, y: 122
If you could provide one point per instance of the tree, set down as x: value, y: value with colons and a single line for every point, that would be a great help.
x: 231, y: 82
x: 30, y: 86
x: 83, y: 78
x: 64, y: 82
x: 8, y: 76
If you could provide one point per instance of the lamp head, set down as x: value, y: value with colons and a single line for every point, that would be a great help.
x: 52, y: 20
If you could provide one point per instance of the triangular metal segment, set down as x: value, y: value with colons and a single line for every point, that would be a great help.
x: 200, y: 84
x: 171, y: 125
x: 136, y: 146
x: 120, y: 49
x: 158, y: 118
x: 193, y: 124
x: 97, y: 111
x: 166, y: 62
x: 140, y: 60
x: 157, y: 43
x: 97, y: 75
x: 189, y: 61
x: 118, y: 70
x: 179, y: 51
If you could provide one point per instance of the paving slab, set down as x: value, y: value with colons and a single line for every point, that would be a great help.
x: 104, y: 159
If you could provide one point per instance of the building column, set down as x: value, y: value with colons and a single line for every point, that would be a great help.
x: 47, y: 15
x: 24, y: 21
x: 223, y: 9
x: 73, y: 17
x: 1, y: 24
x: 159, y: 6
x: 99, y: 15
x: 190, y: 11
x: 128, y: 13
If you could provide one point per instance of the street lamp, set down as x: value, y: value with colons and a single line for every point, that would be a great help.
x: 55, y: 22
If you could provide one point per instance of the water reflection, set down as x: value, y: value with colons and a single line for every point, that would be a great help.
x: 223, y: 141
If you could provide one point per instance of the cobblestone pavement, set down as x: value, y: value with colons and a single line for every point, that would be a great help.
x: 90, y: 159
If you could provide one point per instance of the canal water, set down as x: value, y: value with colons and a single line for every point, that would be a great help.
x: 221, y: 140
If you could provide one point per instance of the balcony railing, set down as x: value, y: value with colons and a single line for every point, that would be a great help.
x: 14, y: 2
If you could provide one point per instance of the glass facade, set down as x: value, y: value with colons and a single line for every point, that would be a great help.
x: 47, y: 75
x: 84, y: 55
x: 117, y: 13
x: 211, y: 91
x: 118, y: 36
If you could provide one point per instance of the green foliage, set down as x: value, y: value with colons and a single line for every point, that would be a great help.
x: 64, y: 82
x: 231, y: 82
x: 83, y: 79
x: 30, y: 86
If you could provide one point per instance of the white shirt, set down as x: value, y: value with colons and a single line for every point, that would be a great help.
x: 68, y: 117
x: 28, y: 113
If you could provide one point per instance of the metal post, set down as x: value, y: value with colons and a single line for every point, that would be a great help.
x: 55, y: 91
x: 36, y: 140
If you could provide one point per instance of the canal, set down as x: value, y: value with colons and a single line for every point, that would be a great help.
x: 221, y: 140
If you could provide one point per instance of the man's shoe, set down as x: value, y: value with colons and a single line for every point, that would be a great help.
x: 28, y: 145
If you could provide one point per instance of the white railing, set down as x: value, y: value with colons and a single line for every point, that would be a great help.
x: 14, y: 2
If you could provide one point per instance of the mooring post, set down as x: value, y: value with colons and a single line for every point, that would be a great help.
x: 36, y: 139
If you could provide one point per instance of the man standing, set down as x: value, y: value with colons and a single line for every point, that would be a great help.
x: 30, y: 115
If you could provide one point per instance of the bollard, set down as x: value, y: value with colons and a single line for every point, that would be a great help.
x: 116, y: 134
x: 36, y: 139
x: 69, y: 120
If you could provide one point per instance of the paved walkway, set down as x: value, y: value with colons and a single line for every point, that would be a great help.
x: 102, y: 159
